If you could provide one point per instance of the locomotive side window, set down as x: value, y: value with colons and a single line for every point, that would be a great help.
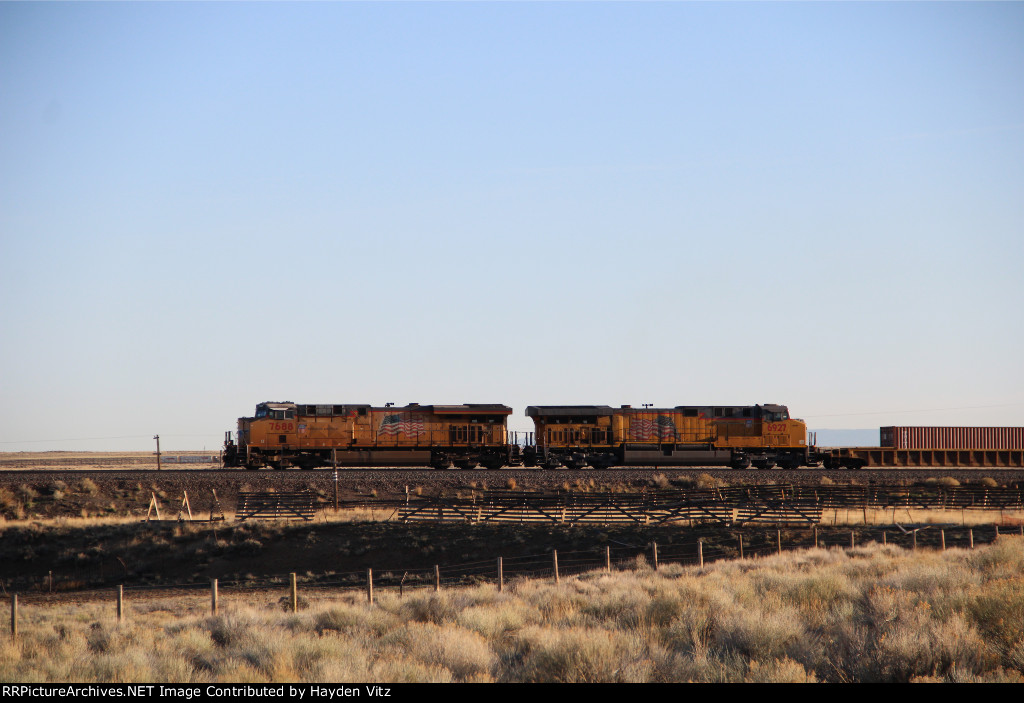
x: 465, y: 433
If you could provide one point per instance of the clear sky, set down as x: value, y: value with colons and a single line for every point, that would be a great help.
x: 204, y: 206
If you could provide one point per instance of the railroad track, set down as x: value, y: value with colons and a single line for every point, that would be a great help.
x: 395, y: 480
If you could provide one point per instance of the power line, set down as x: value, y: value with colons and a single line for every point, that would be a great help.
x: 92, y: 439
x: 69, y: 439
x: 927, y: 410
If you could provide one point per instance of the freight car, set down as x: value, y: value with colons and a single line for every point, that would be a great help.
x: 903, y: 437
x: 686, y: 435
x: 933, y: 447
x: 283, y: 435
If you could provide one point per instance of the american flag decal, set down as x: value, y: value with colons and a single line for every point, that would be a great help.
x: 393, y: 425
x: 645, y: 429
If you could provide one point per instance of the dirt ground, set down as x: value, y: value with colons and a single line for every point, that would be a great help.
x: 38, y: 558
x: 46, y: 544
x: 84, y: 526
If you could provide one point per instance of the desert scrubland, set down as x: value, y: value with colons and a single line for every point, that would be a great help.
x: 874, y: 613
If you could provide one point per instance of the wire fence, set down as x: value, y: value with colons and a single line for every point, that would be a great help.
x: 700, y: 549
x: 736, y: 505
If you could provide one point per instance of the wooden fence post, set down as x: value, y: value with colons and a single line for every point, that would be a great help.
x: 120, y: 603
x: 883, y: 538
x: 741, y: 546
x: 369, y: 586
x: 942, y: 535
x: 654, y: 548
x: 501, y: 576
x: 914, y: 545
x: 997, y: 533
x: 700, y: 553
x: 778, y: 539
x: 853, y: 542
x: 213, y: 596
x: 437, y: 578
x: 815, y: 536
x: 608, y: 559
x: 554, y: 557
x: 14, y: 616
x: 294, y: 593
x: 970, y: 537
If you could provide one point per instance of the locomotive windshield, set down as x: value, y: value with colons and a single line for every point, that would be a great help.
x: 771, y: 416
x: 275, y: 413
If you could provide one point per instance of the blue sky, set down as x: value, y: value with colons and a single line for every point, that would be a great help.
x: 203, y: 206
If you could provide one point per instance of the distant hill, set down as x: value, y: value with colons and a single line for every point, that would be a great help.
x: 847, y: 438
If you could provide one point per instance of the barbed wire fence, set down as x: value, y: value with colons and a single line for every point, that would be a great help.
x: 701, y: 552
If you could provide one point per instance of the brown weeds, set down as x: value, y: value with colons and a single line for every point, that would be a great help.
x: 873, y: 613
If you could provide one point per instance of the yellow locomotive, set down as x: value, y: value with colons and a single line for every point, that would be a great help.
x: 282, y: 435
x: 686, y: 435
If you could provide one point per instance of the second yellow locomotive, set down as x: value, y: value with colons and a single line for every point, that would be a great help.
x: 686, y: 435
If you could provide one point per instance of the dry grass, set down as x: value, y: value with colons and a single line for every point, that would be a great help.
x: 1010, y: 519
x: 870, y: 614
x: 904, y: 516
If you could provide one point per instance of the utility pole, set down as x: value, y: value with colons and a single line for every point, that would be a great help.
x: 157, y: 438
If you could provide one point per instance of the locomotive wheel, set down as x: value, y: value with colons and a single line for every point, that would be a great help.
x: 742, y: 464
